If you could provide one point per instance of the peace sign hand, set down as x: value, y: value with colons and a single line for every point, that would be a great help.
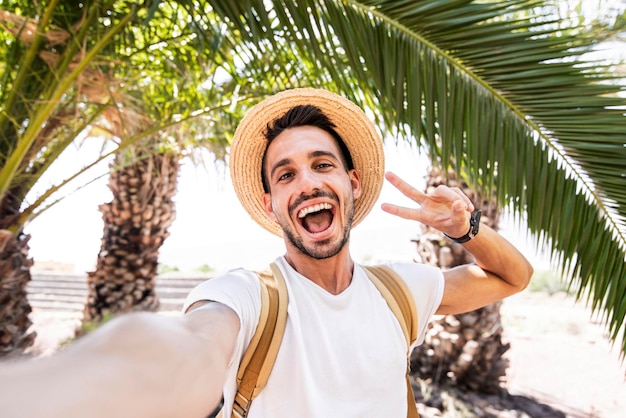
x: 446, y: 209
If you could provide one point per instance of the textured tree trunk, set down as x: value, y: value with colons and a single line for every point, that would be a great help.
x: 15, y: 323
x: 136, y: 223
x: 464, y: 349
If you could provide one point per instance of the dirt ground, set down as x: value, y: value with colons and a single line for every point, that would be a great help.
x: 559, y: 355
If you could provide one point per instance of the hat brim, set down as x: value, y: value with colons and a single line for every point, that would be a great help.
x: 352, y: 125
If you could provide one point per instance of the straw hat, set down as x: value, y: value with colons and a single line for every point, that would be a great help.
x: 351, y: 123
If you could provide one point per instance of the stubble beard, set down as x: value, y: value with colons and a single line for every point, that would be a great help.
x: 321, y: 249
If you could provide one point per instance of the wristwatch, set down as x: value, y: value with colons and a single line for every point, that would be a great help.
x: 473, y: 229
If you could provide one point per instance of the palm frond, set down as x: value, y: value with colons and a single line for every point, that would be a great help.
x: 505, y: 90
x: 133, y: 74
x: 38, y: 110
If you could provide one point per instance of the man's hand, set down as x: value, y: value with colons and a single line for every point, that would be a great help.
x: 446, y: 209
x: 500, y: 269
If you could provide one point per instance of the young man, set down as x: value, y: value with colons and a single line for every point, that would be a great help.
x: 308, y: 165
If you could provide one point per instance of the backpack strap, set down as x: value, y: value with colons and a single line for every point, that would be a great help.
x: 259, y: 358
x: 399, y: 298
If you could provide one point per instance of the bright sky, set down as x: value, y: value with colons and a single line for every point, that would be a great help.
x: 212, y: 228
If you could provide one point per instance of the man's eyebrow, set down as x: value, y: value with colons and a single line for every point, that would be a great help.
x: 279, y: 164
x: 321, y: 153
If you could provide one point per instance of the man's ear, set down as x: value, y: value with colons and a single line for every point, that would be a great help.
x: 269, y: 209
x: 355, y: 180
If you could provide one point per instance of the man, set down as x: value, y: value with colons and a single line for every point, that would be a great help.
x: 308, y: 165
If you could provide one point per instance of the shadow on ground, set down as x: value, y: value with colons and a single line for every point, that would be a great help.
x: 442, y: 401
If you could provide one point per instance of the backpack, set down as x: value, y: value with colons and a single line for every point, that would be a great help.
x: 259, y: 358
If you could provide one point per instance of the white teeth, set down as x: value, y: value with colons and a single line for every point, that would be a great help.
x: 315, y: 208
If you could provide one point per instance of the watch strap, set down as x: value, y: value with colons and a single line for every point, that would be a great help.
x: 473, y: 229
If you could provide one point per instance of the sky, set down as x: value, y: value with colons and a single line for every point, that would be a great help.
x: 211, y: 228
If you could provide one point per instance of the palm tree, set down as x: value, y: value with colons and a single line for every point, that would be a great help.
x: 505, y: 90
x: 63, y: 80
x: 136, y: 224
x: 143, y: 178
x: 189, y: 50
x: 41, y: 114
x: 466, y: 349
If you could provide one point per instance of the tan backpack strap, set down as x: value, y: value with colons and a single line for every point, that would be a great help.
x: 258, y: 361
x: 399, y: 298
x: 410, y: 399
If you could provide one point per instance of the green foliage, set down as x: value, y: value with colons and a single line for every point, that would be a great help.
x: 107, y: 69
x: 87, y: 327
x: 547, y: 281
x: 90, y: 326
x: 41, y: 112
x: 164, y: 269
x: 205, y: 268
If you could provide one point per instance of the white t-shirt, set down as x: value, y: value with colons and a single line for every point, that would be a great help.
x: 341, y: 355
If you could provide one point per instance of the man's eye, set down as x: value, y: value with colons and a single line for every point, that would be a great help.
x: 284, y: 176
x: 324, y: 165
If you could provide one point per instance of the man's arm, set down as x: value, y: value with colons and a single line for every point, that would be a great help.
x: 500, y: 269
x: 138, y: 365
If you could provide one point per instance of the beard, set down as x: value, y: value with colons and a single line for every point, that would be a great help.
x: 325, y: 248
x: 321, y: 249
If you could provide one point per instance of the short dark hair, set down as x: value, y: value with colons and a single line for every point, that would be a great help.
x: 303, y: 115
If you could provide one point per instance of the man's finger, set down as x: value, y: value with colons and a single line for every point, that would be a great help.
x: 404, y: 187
x: 403, y: 212
x: 469, y: 205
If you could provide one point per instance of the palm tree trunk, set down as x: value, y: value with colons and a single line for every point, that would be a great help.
x: 467, y: 349
x: 14, y: 307
x: 136, y: 223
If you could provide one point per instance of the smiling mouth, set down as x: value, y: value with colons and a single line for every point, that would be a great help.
x: 316, y: 218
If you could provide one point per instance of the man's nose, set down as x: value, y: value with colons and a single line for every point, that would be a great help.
x: 309, y: 181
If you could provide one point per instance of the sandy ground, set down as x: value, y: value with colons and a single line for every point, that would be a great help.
x: 559, y: 355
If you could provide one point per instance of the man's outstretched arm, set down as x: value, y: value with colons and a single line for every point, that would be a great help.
x: 500, y: 269
x: 138, y: 365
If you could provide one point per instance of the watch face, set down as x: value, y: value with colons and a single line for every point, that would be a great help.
x: 475, y: 222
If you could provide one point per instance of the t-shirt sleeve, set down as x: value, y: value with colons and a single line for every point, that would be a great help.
x: 427, y: 285
x: 240, y: 291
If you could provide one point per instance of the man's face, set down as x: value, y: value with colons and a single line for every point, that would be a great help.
x: 311, y: 193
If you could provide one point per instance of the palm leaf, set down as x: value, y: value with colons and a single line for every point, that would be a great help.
x: 138, y: 75
x: 38, y: 119
x: 502, y: 89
